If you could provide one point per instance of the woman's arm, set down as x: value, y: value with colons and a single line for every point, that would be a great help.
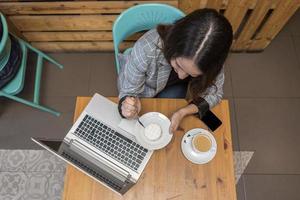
x: 211, y: 97
x: 214, y: 94
x: 180, y: 114
x: 131, y: 81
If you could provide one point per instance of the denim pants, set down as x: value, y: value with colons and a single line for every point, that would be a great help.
x: 177, y: 91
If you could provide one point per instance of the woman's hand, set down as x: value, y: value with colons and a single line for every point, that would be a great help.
x: 180, y: 114
x: 131, y: 107
x: 175, y: 120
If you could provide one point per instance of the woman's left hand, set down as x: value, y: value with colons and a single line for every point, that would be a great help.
x: 175, y: 120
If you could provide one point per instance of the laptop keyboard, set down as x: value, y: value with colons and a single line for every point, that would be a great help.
x: 111, y: 142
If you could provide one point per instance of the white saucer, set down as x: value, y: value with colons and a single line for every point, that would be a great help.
x: 188, y: 151
x: 162, y: 121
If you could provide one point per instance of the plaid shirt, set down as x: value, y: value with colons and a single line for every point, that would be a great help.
x: 144, y: 72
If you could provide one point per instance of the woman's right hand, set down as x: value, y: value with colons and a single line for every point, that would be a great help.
x: 131, y: 107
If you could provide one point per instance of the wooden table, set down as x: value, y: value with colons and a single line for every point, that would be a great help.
x: 168, y: 174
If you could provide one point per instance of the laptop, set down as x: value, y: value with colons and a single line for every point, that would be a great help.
x: 98, y: 147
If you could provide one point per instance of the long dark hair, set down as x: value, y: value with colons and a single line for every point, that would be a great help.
x: 204, y: 36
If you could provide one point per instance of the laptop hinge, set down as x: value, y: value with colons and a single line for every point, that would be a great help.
x: 100, y: 161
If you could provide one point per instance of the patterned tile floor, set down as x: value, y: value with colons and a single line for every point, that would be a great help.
x: 30, y: 175
x: 39, y: 175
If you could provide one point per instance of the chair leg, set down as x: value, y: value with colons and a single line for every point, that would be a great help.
x: 38, y: 75
x: 44, y: 55
x: 40, y: 53
x: 30, y: 103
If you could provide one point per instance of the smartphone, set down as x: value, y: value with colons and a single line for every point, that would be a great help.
x: 211, y: 120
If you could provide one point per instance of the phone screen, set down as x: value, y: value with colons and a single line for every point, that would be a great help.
x: 211, y: 120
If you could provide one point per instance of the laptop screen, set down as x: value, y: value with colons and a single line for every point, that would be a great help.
x: 52, y: 144
x: 63, y: 151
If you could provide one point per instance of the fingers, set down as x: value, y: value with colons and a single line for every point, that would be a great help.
x: 129, y: 108
x: 129, y: 115
x: 130, y: 101
x: 174, y: 125
x: 138, y: 104
x: 128, y: 111
x: 171, y: 129
x: 175, y: 122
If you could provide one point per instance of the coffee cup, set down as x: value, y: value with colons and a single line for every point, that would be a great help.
x: 201, y: 143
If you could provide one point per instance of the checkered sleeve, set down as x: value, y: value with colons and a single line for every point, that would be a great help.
x: 214, y: 94
x: 133, y: 81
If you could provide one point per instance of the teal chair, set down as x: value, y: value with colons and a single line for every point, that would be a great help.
x: 16, y: 85
x: 140, y: 18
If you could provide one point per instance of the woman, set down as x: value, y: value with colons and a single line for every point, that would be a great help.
x: 181, y: 60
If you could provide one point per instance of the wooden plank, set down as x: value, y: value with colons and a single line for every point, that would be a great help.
x: 63, y: 23
x: 84, y: 184
x: 12, y: 28
x: 216, y: 4
x: 73, y: 36
x: 68, y: 36
x: 17, y: 0
x: 256, y: 18
x: 78, y: 46
x: 190, y: 5
x: 236, y: 11
x: 227, y: 148
x: 169, y: 175
x: 71, y: 7
x: 283, y: 12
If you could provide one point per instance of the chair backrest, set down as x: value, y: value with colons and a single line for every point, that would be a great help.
x: 4, y: 36
x: 3, y: 41
x: 139, y: 18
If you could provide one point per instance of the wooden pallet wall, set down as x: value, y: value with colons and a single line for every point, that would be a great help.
x: 86, y: 25
x: 255, y: 22
x: 69, y: 25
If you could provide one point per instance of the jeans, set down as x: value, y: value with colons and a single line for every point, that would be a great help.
x: 177, y: 91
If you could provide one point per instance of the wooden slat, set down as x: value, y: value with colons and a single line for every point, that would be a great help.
x: 216, y: 4
x: 89, y: 27
x: 68, y: 36
x: 16, y: 0
x: 63, y: 23
x: 284, y: 11
x: 78, y: 46
x: 12, y: 28
x: 73, y: 36
x: 190, y: 5
x: 256, y: 18
x: 69, y: 7
x: 236, y: 11
x: 84, y: 184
